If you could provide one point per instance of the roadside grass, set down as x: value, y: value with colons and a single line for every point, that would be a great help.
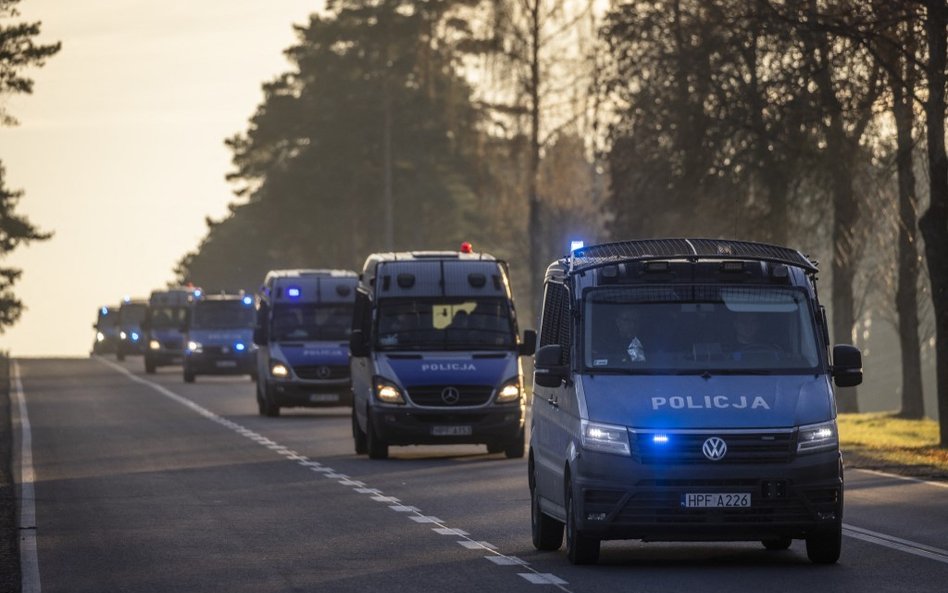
x: 885, y: 442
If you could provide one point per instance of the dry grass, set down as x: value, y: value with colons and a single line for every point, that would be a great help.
x: 885, y: 442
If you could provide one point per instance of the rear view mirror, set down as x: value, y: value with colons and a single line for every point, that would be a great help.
x: 548, y: 371
x: 847, y: 365
x: 358, y: 345
x: 260, y: 335
x: 529, y: 344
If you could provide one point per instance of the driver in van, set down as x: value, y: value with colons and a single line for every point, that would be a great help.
x: 627, y: 344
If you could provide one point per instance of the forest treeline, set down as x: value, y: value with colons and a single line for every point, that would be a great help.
x: 410, y: 124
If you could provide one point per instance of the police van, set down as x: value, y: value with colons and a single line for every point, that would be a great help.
x: 163, y: 324
x: 131, y: 313
x: 683, y: 391
x: 304, y: 318
x: 106, y: 330
x: 219, y: 337
x: 436, y: 354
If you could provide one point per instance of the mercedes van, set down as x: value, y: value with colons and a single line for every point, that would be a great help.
x: 162, y: 336
x: 131, y: 313
x: 684, y: 392
x: 304, y: 318
x: 218, y: 337
x: 436, y: 354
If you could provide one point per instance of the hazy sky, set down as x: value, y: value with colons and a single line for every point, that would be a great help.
x: 120, y: 147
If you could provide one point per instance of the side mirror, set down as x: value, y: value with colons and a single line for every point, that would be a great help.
x: 529, y: 344
x: 547, y: 370
x: 847, y: 365
x: 260, y: 335
x: 358, y: 346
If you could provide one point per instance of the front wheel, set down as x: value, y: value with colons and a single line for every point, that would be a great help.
x: 547, y: 532
x: 150, y: 367
x: 189, y: 375
x: 375, y: 446
x: 824, y: 546
x: 269, y: 408
x: 358, y: 435
x: 580, y: 549
x: 516, y: 448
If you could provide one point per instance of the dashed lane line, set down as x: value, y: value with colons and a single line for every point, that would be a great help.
x: 896, y: 543
x: 29, y: 559
x: 413, y: 513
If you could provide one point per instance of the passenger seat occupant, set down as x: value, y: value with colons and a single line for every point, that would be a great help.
x: 628, y: 344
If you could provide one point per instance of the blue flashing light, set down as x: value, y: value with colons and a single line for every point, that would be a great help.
x: 127, y: 298
x: 135, y: 336
x: 248, y: 300
x: 104, y: 310
x: 574, y: 245
x: 198, y: 293
x: 293, y: 292
x: 239, y: 347
x: 660, y: 439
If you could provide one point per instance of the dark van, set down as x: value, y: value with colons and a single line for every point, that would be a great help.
x: 684, y: 391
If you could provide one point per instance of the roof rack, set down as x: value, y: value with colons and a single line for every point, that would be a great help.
x: 595, y: 256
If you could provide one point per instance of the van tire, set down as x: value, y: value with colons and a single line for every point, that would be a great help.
x: 375, y: 447
x: 777, y: 544
x: 189, y: 375
x: 269, y: 407
x: 517, y: 448
x: 150, y: 367
x: 547, y: 532
x: 824, y: 546
x: 119, y: 355
x: 358, y: 436
x: 580, y: 549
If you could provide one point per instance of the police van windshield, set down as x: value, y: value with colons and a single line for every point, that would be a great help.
x: 132, y: 314
x: 109, y: 319
x: 694, y: 329
x: 444, y: 324
x: 222, y: 315
x: 311, y: 322
x: 168, y: 317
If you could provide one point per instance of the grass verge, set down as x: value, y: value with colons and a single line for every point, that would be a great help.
x: 884, y: 442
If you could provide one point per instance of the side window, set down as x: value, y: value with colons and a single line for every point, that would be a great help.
x: 555, y: 325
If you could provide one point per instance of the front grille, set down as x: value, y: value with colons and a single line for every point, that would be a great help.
x: 213, y: 349
x: 173, y: 345
x: 321, y: 372
x: 685, y: 447
x: 434, y: 395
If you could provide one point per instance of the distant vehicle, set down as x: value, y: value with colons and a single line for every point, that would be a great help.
x: 130, y: 316
x: 682, y: 391
x: 304, y: 320
x: 219, y: 337
x: 106, y: 331
x: 163, y: 325
x: 436, y: 354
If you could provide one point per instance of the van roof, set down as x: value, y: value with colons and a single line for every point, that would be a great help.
x: 311, y: 288
x: 595, y: 256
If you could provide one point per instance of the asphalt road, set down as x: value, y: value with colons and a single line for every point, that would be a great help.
x: 144, y: 483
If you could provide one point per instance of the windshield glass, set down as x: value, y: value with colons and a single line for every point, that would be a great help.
x: 699, y: 328
x: 132, y: 314
x: 109, y: 319
x: 311, y: 322
x: 222, y: 315
x: 168, y: 317
x: 444, y: 324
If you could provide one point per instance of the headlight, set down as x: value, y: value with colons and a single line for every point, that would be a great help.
x: 154, y: 345
x: 509, y: 392
x: 605, y: 438
x: 99, y: 336
x: 123, y: 335
x: 278, y: 369
x: 818, y: 437
x: 388, y: 392
x: 194, y: 346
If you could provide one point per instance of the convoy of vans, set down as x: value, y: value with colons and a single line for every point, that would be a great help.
x: 304, y: 318
x: 682, y: 391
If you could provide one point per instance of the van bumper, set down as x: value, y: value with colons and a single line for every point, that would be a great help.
x: 311, y: 394
x: 421, y: 426
x: 619, y: 498
x: 202, y: 363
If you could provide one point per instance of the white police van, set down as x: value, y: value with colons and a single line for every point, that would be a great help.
x: 683, y: 391
x: 162, y: 328
x: 304, y: 318
x: 436, y: 354
x: 219, y: 337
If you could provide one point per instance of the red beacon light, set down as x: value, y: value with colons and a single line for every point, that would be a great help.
x: 466, y: 247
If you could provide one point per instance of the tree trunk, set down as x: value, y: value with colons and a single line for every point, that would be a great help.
x: 906, y: 297
x: 934, y: 223
x: 534, y: 232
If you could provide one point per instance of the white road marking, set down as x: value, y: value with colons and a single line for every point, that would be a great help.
x: 328, y: 472
x: 542, y: 578
x: 472, y: 545
x: 400, y: 508
x: 897, y: 543
x: 507, y: 560
x: 367, y: 490
x: 29, y: 560
x: 903, y: 478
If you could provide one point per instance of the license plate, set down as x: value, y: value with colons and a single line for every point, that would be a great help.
x: 694, y: 500
x: 226, y: 364
x: 324, y: 397
x: 450, y: 431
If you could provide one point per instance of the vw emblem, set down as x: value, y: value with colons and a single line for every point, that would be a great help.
x: 323, y: 372
x: 450, y: 395
x: 714, y: 448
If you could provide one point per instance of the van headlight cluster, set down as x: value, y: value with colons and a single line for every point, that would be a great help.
x: 387, y: 392
x: 818, y: 437
x: 279, y: 370
x: 195, y: 346
x: 154, y: 345
x: 606, y: 438
x: 509, y: 392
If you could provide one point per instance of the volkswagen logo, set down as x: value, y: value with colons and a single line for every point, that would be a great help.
x: 714, y: 448
x: 323, y: 372
x: 450, y: 395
